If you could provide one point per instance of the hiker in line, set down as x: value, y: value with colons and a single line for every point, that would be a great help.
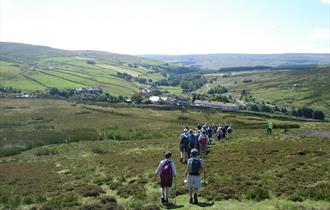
x: 219, y: 133
x: 184, y: 146
x: 269, y: 127
x: 203, y: 142
x: 192, y: 176
x: 209, y: 133
x: 229, y: 130
x: 223, y: 128
x: 197, y: 134
x: 166, y: 170
x: 191, y: 139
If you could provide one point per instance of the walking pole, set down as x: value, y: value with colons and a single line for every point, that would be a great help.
x: 174, y: 191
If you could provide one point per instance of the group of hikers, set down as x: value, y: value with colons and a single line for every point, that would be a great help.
x: 200, y: 138
x: 193, y: 145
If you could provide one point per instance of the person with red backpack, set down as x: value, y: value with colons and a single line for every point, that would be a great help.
x: 203, y: 142
x: 166, y: 169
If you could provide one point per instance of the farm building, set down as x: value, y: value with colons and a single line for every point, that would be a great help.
x: 92, y: 90
x: 217, y: 105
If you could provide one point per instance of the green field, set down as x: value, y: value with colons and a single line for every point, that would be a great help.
x: 172, y: 90
x: 61, y: 155
x: 292, y: 88
x: 71, y: 72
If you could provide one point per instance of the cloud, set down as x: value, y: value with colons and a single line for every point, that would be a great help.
x: 320, y: 34
x: 325, y: 1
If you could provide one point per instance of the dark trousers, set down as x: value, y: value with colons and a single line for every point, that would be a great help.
x: 269, y: 131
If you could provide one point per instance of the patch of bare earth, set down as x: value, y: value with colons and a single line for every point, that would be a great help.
x: 313, y: 133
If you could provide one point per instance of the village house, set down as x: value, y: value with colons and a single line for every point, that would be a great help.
x: 145, y: 90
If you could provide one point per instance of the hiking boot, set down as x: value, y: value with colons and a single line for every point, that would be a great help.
x: 162, y: 200
x: 195, y: 199
x: 191, y: 201
x: 181, y: 160
x: 166, y: 201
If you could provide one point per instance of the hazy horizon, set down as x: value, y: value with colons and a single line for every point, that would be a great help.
x: 139, y: 27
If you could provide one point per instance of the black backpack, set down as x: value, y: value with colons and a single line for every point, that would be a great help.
x: 196, y: 166
x: 184, y: 139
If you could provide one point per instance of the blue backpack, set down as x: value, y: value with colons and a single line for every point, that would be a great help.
x: 184, y: 139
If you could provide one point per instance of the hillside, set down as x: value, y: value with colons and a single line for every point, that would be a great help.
x: 217, y: 61
x: 19, y: 52
x: 31, y: 67
x: 288, y: 88
x: 60, y: 155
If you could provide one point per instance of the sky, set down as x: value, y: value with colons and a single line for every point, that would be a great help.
x: 170, y: 26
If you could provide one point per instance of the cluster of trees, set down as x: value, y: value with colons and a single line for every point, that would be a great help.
x: 133, y: 65
x: 246, y: 96
x: 188, y: 82
x: 9, y: 90
x: 124, y: 76
x: 142, y: 80
x: 91, y: 62
x: 66, y: 93
x: 260, y: 108
x: 221, y: 98
x: 252, y: 68
x: 300, y: 112
x: 244, y: 68
x: 189, y: 86
x: 129, y: 77
x: 247, y: 80
x: 217, y: 90
x: 308, y: 113
x: 176, y: 69
x: 83, y: 96
x: 172, y: 69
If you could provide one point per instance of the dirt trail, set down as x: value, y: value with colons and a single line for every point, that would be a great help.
x: 314, y: 133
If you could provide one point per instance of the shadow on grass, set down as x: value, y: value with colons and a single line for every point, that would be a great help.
x: 173, y: 206
x: 201, y: 204
x: 205, y: 204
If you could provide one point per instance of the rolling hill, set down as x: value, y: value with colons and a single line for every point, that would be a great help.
x: 288, y: 88
x: 217, y: 61
x: 19, y: 52
x: 31, y: 67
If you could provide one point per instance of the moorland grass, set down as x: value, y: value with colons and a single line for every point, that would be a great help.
x: 249, y: 170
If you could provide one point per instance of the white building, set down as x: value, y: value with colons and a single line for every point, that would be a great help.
x: 155, y: 99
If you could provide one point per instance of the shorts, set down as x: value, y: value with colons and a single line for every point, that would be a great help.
x: 203, y: 148
x: 194, y: 182
x: 168, y: 183
x: 184, y: 148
